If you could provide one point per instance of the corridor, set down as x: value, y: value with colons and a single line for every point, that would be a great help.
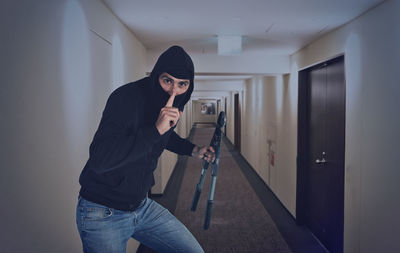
x: 246, y: 216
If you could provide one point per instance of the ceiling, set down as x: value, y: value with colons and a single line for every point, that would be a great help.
x: 272, y: 26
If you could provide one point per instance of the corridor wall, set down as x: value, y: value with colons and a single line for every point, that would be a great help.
x: 372, y: 57
x: 269, y: 130
x: 59, y: 61
x: 230, y: 117
x: 370, y: 44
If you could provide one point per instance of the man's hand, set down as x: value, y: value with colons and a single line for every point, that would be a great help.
x: 206, y: 153
x: 168, y: 116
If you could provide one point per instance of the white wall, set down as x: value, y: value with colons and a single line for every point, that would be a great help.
x: 253, y: 63
x: 268, y: 118
x: 216, y: 85
x: 370, y: 44
x: 252, y: 123
x: 286, y: 145
x: 55, y: 78
x: 188, y: 117
x: 230, y: 117
x: 165, y: 167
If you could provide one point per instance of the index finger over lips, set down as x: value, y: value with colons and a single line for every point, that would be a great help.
x: 170, y: 101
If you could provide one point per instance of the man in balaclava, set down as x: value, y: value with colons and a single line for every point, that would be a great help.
x: 136, y: 126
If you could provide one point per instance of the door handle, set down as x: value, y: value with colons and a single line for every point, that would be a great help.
x: 320, y: 161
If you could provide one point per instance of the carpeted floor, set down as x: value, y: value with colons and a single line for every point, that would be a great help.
x: 239, y: 221
x: 204, y: 125
x: 241, y: 218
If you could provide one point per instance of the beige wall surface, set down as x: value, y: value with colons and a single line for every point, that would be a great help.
x: 59, y: 62
x: 268, y: 123
x: 230, y: 117
x: 370, y: 45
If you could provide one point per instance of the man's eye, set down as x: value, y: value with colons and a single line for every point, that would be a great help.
x: 167, y: 80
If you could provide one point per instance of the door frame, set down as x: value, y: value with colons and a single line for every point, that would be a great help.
x: 302, y: 136
x: 226, y: 111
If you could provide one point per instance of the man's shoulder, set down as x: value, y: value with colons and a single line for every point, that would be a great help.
x: 137, y: 86
x: 132, y: 90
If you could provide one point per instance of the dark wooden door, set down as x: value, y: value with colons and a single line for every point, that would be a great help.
x: 237, y: 122
x: 324, y: 163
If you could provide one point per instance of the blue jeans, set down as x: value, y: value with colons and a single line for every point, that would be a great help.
x: 104, y: 229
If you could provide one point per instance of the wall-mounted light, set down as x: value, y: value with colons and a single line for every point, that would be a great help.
x: 229, y: 44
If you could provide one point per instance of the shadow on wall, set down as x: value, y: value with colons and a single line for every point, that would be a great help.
x: 353, y: 151
x: 76, y: 83
x: 78, y: 101
x: 44, y: 119
x: 93, y: 65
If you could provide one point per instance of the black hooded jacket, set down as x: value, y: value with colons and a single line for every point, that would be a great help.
x: 126, y: 147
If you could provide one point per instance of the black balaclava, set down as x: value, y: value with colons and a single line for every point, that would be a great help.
x: 176, y: 62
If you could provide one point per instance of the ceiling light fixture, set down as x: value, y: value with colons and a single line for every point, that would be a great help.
x: 229, y: 44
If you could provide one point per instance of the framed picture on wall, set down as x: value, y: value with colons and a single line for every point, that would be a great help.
x: 207, y: 108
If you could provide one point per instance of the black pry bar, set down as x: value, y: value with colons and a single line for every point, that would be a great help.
x: 216, y: 144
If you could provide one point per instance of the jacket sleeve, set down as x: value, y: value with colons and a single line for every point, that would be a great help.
x: 179, y: 145
x: 114, y: 144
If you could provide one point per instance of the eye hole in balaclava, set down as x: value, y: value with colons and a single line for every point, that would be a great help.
x: 177, y: 63
x: 170, y: 84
